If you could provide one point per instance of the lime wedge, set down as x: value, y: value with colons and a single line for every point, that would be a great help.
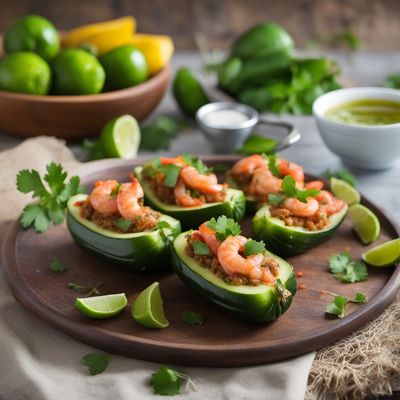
x: 147, y: 308
x: 365, y: 223
x: 100, y: 307
x: 120, y: 138
x: 384, y: 255
x: 344, y: 191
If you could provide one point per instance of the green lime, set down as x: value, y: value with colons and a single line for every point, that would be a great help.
x: 101, y: 307
x: 345, y: 191
x: 121, y: 137
x: 384, y: 255
x: 32, y: 33
x: 24, y: 72
x: 147, y: 309
x: 365, y: 223
x: 76, y: 72
x: 125, y: 66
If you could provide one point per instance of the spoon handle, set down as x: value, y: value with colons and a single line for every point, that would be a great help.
x: 292, y: 135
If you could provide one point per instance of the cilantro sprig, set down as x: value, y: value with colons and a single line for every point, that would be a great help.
x: 123, y: 224
x: 51, y: 198
x: 192, y: 318
x: 290, y: 190
x: 200, y: 248
x: 171, y: 174
x: 96, y: 363
x: 339, y: 303
x: 85, y: 289
x: 196, y: 163
x: 345, y: 270
x: 57, y: 265
x: 167, y: 231
x: 224, y: 227
x: 253, y: 247
x: 167, y: 382
x: 273, y: 165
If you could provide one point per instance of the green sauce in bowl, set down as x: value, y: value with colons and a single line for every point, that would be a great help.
x: 366, y: 112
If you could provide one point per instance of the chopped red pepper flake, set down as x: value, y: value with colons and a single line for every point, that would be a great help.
x: 299, y: 274
x: 302, y: 286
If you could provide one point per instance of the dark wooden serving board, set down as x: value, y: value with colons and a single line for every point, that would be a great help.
x: 222, y: 340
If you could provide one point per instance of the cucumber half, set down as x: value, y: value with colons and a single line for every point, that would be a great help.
x: 138, y: 251
x: 261, y: 303
x: 290, y: 240
x: 234, y: 206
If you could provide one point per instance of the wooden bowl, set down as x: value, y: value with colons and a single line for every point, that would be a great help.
x: 73, y: 117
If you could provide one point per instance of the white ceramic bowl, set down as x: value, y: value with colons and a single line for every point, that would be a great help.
x: 369, y: 147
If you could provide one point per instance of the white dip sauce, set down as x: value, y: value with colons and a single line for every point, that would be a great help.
x: 225, y: 118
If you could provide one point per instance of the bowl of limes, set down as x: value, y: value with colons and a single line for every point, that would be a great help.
x: 70, y: 84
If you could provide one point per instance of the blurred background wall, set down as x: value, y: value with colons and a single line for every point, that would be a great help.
x: 376, y: 22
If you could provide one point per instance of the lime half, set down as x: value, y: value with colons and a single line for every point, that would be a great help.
x: 100, y: 307
x: 384, y: 255
x: 365, y: 223
x: 120, y: 138
x: 147, y: 308
x: 344, y: 191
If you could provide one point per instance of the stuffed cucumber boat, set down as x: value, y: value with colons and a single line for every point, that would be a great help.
x: 236, y: 274
x: 184, y: 188
x: 112, y: 223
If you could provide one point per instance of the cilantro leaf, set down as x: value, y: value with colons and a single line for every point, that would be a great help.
x: 256, y: 144
x: 88, y: 290
x: 275, y: 199
x: 347, y: 271
x: 57, y: 265
x: 29, y: 214
x: 338, y: 262
x: 290, y: 190
x: 55, y: 177
x: 201, y: 248
x: 224, y: 227
x: 42, y: 221
x: 273, y: 166
x: 253, y: 247
x: 359, y: 298
x: 342, y: 174
x: 168, y: 232
x: 196, y: 163
x: 192, y: 318
x: 115, y: 191
x: 171, y: 173
x: 337, y: 307
x: 123, y: 224
x: 302, y: 195
x: 30, y: 181
x: 96, y: 363
x: 167, y: 382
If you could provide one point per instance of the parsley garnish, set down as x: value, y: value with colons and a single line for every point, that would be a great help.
x: 171, y: 174
x: 192, y: 318
x: 196, y: 163
x: 275, y: 199
x: 167, y: 382
x: 224, y: 227
x: 347, y: 271
x: 201, y: 248
x: 57, y: 266
x: 342, y: 174
x: 88, y: 290
x: 339, y: 303
x: 273, y: 166
x: 96, y: 363
x: 51, y: 200
x: 123, y: 224
x: 253, y: 247
x: 359, y: 298
x: 167, y: 231
x: 290, y: 190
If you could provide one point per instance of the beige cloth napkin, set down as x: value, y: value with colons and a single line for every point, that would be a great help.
x: 37, y: 362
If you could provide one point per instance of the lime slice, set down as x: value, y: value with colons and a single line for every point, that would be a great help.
x: 147, y: 309
x: 344, y: 191
x: 384, y: 255
x: 100, y: 307
x: 120, y: 138
x: 365, y: 223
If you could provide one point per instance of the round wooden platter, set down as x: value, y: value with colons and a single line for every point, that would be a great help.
x: 222, y: 341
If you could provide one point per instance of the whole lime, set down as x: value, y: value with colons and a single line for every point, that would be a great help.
x: 125, y: 66
x: 25, y: 72
x: 76, y: 72
x: 32, y: 33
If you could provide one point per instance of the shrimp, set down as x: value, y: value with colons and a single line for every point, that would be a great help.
x: 300, y: 209
x: 203, y: 183
x: 248, y: 165
x: 232, y: 262
x: 294, y: 170
x: 128, y: 199
x: 314, y: 185
x: 182, y: 197
x: 209, y: 237
x: 101, y: 199
x: 264, y: 182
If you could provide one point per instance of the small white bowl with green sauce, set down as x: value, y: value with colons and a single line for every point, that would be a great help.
x: 361, y: 125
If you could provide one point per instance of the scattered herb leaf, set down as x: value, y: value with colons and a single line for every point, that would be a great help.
x: 337, y: 307
x: 224, y: 227
x: 196, y: 163
x: 257, y: 144
x: 201, y: 248
x: 253, y: 247
x: 342, y: 174
x: 123, y: 224
x: 273, y: 166
x: 88, y: 290
x: 96, y: 363
x: 57, y: 266
x: 167, y: 231
x: 51, y: 201
x: 167, y: 382
x: 115, y: 191
x: 347, y: 271
x: 275, y: 199
x: 192, y: 318
x: 171, y: 174
x: 290, y: 190
x: 359, y: 298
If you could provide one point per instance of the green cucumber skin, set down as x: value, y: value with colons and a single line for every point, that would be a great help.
x: 285, y: 241
x: 248, y: 307
x: 234, y: 208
